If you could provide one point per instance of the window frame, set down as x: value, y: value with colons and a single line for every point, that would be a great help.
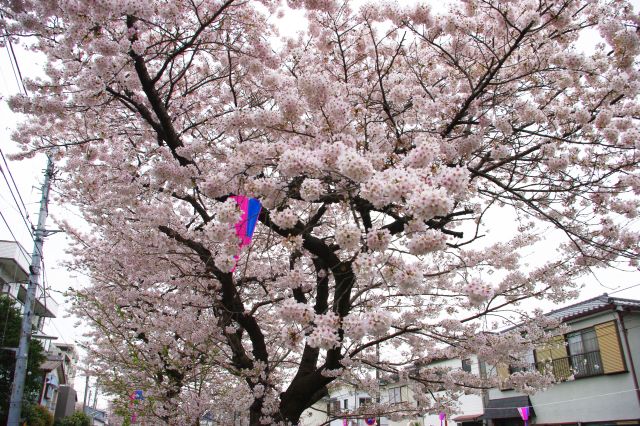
x: 364, y: 401
x: 467, y: 365
x: 592, y: 365
x: 333, y: 407
x: 397, y: 399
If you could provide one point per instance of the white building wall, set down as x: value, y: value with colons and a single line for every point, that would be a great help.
x: 632, y: 325
x: 467, y: 404
x: 317, y: 414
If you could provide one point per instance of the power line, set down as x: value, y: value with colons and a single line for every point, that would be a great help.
x: 567, y: 400
x: 623, y: 289
x: 6, y: 165
x: 22, y: 216
x: 11, y: 59
x: 13, y: 53
x: 15, y: 67
x: 22, y: 249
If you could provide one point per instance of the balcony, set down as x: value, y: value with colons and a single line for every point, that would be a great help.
x: 14, y: 276
x: 14, y: 262
x: 586, y: 364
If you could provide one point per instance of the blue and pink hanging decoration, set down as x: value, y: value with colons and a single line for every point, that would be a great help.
x: 244, y: 228
x: 442, y: 416
x: 137, y: 395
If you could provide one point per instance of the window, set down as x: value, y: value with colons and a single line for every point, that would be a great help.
x: 345, y: 404
x: 395, y: 395
x: 333, y: 407
x: 584, y: 353
x: 364, y: 402
x: 466, y: 365
x: 526, y: 363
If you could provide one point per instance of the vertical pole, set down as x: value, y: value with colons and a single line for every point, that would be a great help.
x: 379, y: 419
x: 95, y: 395
x: 17, y: 387
x: 86, y: 391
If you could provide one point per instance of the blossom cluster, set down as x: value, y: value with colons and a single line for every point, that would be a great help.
x: 478, y: 291
x: 426, y: 242
x: 375, y: 323
x: 325, y: 331
x: 348, y: 237
x: 285, y: 219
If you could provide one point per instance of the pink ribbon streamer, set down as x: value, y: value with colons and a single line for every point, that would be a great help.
x: 524, y: 413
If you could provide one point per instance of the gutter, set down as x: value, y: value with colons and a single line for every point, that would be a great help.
x: 631, y: 364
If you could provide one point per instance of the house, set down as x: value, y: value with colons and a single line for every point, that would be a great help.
x: 471, y: 406
x: 346, y: 405
x: 59, y: 368
x: 54, y: 377
x: 595, y: 364
x: 98, y: 417
x: 69, y: 357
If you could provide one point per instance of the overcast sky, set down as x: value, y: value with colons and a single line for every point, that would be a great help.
x: 28, y: 176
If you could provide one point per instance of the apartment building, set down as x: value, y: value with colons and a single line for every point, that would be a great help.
x: 58, y: 370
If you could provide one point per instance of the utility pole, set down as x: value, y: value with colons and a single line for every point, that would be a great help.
x: 17, y: 388
x: 86, y: 391
x: 95, y: 395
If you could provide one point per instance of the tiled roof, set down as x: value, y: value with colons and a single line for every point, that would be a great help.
x: 599, y: 303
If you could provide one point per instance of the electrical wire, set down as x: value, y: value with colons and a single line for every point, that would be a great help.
x: 566, y: 401
x: 477, y: 363
x: 11, y: 59
x: 623, y: 289
x: 14, y: 61
x: 14, y: 183
x: 22, y: 249
x: 27, y: 224
x: 25, y: 218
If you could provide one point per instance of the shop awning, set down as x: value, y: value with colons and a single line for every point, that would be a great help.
x: 507, y: 408
x: 466, y: 418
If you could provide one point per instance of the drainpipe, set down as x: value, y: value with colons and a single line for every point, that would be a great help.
x: 631, y: 364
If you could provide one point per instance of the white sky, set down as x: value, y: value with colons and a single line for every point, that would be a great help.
x: 28, y: 175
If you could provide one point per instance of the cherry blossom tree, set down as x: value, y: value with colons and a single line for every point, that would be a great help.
x: 384, y: 144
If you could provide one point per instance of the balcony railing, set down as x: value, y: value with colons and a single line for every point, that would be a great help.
x: 580, y: 365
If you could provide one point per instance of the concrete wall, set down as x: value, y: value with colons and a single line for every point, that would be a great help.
x: 590, y: 399
x: 66, y: 402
